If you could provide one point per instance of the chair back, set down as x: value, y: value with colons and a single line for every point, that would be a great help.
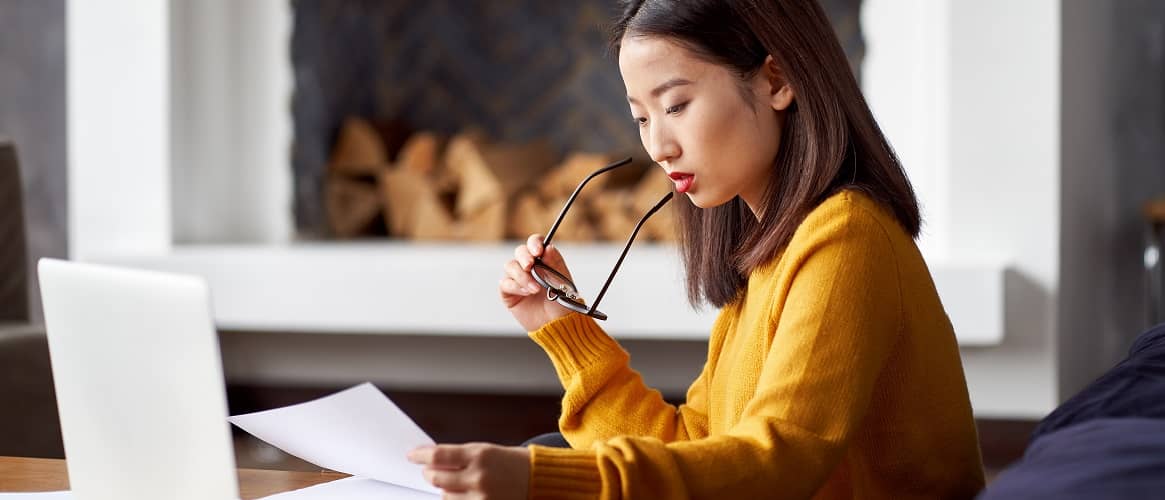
x: 13, y: 240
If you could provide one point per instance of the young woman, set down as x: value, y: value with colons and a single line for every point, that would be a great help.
x: 832, y: 369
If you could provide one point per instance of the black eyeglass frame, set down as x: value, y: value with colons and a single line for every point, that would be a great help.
x: 569, y: 298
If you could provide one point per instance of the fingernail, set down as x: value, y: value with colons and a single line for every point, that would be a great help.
x: 533, y: 288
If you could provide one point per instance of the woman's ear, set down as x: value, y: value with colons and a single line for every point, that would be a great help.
x: 781, y: 94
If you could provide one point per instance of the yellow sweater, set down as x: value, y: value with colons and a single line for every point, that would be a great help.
x: 836, y: 375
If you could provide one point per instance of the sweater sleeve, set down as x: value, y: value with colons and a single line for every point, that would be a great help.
x: 605, y: 398
x: 838, y: 323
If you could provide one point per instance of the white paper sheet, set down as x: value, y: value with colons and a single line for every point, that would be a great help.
x: 354, y: 488
x: 356, y: 431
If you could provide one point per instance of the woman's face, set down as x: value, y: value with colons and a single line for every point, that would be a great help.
x: 715, y: 141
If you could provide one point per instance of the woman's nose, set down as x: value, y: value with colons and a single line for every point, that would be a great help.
x: 662, y: 146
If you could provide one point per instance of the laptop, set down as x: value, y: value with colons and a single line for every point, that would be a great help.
x: 139, y: 383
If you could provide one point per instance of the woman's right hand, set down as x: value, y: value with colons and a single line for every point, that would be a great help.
x: 523, y: 296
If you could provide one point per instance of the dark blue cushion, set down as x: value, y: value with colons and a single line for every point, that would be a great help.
x: 1105, y: 458
x: 1135, y: 387
x: 1107, y: 441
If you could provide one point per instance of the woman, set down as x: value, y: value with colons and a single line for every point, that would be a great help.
x: 832, y: 369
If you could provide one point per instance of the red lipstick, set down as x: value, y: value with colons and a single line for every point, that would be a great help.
x: 683, y: 181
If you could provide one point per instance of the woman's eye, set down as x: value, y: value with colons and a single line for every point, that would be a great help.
x: 675, y: 109
x: 641, y: 121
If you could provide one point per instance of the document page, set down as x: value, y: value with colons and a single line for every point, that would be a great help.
x: 354, y: 488
x: 357, y: 431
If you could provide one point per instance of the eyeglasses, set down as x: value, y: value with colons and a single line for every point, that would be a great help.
x: 560, y: 288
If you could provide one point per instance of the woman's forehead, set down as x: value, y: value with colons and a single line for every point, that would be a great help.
x: 652, y: 51
x: 647, y: 61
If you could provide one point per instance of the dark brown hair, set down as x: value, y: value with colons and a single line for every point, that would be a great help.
x: 830, y: 140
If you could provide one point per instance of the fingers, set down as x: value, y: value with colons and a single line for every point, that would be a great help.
x: 454, y: 480
x: 422, y: 455
x: 522, y: 281
x: 534, y: 244
x: 512, y: 294
x: 445, y: 456
x: 453, y: 468
x: 523, y: 256
x: 453, y: 456
x: 519, y: 282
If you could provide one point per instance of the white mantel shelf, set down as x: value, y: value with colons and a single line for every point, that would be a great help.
x: 386, y: 287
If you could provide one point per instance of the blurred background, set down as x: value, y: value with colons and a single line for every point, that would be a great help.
x: 350, y: 176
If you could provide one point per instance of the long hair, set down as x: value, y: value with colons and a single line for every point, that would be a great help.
x: 829, y: 141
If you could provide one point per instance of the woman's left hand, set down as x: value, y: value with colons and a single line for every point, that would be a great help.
x: 476, y: 470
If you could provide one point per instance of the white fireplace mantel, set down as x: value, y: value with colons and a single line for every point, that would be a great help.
x: 414, y: 288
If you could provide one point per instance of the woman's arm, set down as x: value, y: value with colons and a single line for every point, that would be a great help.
x: 605, y: 398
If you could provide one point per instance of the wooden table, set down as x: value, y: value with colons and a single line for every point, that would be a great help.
x: 46, y: 474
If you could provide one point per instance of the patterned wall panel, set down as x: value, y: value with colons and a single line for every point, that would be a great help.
x: 519, y: 69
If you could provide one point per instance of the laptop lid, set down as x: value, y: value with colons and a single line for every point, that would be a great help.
x: 139, y: 383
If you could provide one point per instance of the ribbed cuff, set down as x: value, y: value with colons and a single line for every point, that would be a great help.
x: 573, y: 343
x: 563, y: 473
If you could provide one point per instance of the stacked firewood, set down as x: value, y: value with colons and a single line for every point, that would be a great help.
x: 469, y: 188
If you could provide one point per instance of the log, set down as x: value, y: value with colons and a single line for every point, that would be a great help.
x: 432, y: 223
x: 576, y: 227
x: 531, y: 215
x: 352, y: 206
x: 518, y: 166
x: 612, y: 210
x: 486, y: 224
x: 420, y: 154
x: 488, y: 178
x: 561, y: 181
x: 413, y: 208
x: 485, y: 172
x: 476, y: 185
x: 527, y: 216
x: 359, y: 150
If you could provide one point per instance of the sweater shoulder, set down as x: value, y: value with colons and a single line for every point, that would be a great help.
x: 848, y: 217
x: 847, y: 208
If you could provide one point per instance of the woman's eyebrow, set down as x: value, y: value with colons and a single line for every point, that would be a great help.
x: 664, y: 87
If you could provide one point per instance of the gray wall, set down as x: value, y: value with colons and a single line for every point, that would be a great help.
x: 1113, y: 156
x: 32, y: 115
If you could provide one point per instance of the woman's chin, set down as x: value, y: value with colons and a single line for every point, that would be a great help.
x: 705, y: 201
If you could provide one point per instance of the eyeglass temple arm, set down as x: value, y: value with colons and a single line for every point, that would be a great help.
x: 627, y: 247
x: 570, y: 201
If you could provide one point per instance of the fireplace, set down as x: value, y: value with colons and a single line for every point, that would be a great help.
x: 520, y: 75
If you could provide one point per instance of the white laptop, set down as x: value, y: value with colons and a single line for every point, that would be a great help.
x: 139, y: 383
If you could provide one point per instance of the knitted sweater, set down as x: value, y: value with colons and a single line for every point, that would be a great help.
x: 836, y: 374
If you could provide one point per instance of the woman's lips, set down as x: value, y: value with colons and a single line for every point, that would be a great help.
x: 683, y: 181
